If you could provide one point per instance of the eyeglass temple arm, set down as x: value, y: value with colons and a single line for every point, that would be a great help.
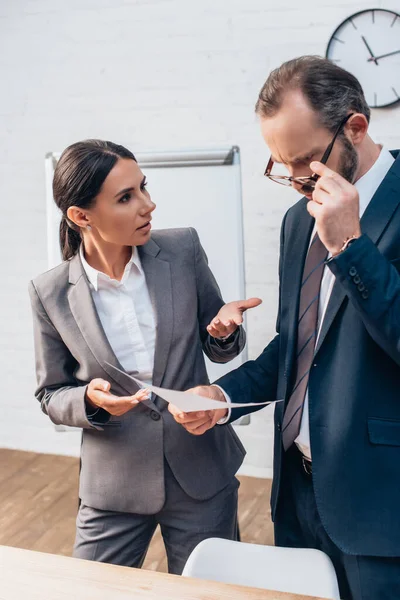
x: 328, y: 151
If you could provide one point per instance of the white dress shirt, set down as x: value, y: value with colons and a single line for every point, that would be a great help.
x: 126, y: 314
x: 366, y: 186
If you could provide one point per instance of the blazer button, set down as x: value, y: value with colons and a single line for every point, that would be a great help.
x: 361, y: 287
x: 356, y: 279
x: 155, y: 415
x: 365, y: 294
x: 278, y: 426
x: 353, y: 271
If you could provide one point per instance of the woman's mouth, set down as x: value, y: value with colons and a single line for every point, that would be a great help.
x: 146, y: 227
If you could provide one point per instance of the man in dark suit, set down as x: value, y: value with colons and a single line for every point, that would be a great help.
x: 336, y: 357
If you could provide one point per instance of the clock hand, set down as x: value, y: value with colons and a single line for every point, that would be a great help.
x: 369, y: 50
x: 383, y: 55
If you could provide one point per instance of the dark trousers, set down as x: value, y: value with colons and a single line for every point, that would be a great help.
x: 123, y: 538
x: 297, y: 525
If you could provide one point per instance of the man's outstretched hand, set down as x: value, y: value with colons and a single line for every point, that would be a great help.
x: 199, y: 422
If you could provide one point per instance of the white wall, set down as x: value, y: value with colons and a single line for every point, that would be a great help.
x: 151, y: 75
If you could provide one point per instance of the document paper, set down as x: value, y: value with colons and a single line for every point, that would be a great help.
x: 188, y: 402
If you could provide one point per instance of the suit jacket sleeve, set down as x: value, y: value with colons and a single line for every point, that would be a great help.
x: 257, y: 380
x: 372, y: 283
x: 61, y: 398
x: 209, y: 303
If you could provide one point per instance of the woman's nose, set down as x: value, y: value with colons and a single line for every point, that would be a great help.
x: 148, y: 204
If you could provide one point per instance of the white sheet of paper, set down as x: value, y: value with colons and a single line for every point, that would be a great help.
x: 188, y: 402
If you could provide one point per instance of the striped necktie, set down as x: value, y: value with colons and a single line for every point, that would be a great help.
x: 307, y: 328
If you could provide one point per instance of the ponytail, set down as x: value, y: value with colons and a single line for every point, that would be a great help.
x: 70, y: 239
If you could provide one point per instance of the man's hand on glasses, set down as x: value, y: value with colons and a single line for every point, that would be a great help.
x: 335, y: 207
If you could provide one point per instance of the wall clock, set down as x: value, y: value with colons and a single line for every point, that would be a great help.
x: 368, y: 45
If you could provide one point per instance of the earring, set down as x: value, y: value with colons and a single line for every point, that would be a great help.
x: 88, y: 227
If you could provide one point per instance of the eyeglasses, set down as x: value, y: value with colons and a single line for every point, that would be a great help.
x: 307, y: 183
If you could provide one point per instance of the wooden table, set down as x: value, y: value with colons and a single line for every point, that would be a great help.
x: 27, y: 575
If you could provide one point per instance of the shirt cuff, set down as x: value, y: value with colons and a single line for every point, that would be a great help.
x: 228, y: 339
x: 225, y: 419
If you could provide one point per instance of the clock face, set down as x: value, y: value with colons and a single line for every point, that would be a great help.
x: 368, y: 45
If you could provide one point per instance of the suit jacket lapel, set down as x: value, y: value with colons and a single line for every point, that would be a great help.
x: 158, y: 279
x: 84, y: 312
x: 373, y: 223
x: 297, y: 243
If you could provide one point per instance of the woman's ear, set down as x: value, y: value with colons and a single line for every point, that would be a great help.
x: 356, y: 128
x: 78, y: 216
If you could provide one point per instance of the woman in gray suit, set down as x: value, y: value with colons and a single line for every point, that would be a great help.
x: 149, y: 305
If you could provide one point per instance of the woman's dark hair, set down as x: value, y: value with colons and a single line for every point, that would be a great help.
x: 78, y: 177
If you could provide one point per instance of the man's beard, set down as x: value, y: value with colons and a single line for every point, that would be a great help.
x: 348, y: 164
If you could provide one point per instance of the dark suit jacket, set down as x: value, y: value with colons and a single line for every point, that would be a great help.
x: 354, y: 386
x: 123, y: 457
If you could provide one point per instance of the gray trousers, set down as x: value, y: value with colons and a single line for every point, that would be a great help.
x: 123, y: 538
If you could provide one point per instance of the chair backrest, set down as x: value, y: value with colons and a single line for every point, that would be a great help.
x: 296, y: 570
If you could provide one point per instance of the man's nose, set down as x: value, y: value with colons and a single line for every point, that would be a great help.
x: 297, y: 186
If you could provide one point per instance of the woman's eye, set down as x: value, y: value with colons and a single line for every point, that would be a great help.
x: 143, y: 185
x: 125, y: 198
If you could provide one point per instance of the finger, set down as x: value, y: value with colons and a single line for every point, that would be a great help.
x: 221, y: 330
x: 181, y: 416
x: 142, y: 395
x: 326, y: 172
x: 213, y: 331
x: 329, y: 185
x: 100, y: 384
x: 322, y: 170
x: 187, y: 418
x: 201, y: 390
x: 107, y: 399
x: 234, y: 320
x: 250, y: 303
x: 321, y: 196
x: 119, y: 408
x: 201, y: 428
x: 196, y: 424
x: 314, y: 209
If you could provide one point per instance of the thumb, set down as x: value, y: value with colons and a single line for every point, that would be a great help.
x: 243, y: 305
x: 101, y: 384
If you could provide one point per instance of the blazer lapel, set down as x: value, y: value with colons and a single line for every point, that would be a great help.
x: 297, y: 243
x: 373, y: 223
x: 86, y: 317
x: 158, y: 279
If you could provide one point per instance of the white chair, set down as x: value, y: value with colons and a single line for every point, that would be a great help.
x: 296, y: 570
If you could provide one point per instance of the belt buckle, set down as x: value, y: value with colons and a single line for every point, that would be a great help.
x: 307, y: 466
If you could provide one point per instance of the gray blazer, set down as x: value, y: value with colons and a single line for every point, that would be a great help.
x: 123, y: 457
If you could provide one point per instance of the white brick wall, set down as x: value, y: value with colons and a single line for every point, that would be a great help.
x: 149, y: 74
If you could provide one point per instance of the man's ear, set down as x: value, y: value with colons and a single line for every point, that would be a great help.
x: 356, y: 128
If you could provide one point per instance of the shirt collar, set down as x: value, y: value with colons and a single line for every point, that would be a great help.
x: 94, y: 275
x: 372, y: 179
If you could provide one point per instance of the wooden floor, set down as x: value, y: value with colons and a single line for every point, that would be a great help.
x: 39, y: 500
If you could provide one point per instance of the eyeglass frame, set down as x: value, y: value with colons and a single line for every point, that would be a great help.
x: 309, y: 180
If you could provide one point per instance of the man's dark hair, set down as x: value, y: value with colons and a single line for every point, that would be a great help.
x: 330, y: 90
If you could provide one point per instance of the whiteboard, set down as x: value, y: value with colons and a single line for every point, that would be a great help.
x: 194, y: 188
